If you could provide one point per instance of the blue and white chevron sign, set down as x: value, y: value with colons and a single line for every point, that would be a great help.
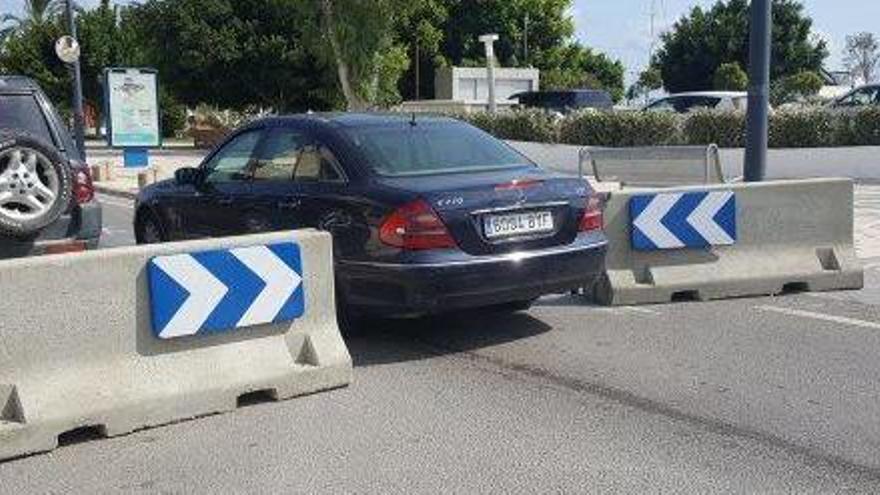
x: 222, y: 290
x: 683, y: 220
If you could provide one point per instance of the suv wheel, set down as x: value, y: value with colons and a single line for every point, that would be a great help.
x: 35, y: 184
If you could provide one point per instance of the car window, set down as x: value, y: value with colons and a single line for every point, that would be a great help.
x: 231, y: 162
x: 426, y: 148
x: 21, y: 111
x: 279, y: 155
x: 683, y: 104
x: 863, y: 96
x: 664, y: 105
x: 317, y: 163
x: 694, y: 102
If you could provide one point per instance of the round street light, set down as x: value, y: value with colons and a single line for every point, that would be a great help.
x: 67, y: 49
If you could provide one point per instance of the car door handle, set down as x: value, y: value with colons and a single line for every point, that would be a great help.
x: 225, y: 201
x: 289, y: 204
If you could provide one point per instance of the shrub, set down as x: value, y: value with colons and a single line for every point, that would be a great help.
x: 860, y: 127
x: 172, y: 115
x: 726, y: 129
x: 520, y: 125
x: 619, y: 129
x: 807, y: 127
x: 812, y: 127
x: 730, y: 77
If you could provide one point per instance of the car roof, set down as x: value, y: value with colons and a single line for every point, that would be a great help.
x: 355, y: 119
x: 18, y: 83
x: 718, y: 94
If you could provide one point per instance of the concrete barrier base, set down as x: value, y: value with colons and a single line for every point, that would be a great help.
x: 793, y: 236
x: 77, y: 349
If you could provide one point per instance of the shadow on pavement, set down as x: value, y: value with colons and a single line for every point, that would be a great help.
x: 393, y: 341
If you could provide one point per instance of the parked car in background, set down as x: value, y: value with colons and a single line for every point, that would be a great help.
x: 687, y: 102
x: 564, y: 102
x: 859, y: 97
x: 428, y: 215
x: 47, y: 202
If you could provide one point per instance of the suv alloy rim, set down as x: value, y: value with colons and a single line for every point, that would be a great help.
x: 29, y: 185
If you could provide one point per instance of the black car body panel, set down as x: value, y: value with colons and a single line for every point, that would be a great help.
x: 353, y: 202
x: 80, y: 222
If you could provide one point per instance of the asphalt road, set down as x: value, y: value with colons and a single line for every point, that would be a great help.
x: 749, y: 395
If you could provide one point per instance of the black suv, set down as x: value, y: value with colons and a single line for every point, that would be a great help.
x: 47, y: 201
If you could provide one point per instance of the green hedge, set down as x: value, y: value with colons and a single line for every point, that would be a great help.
x: 526, y: 125
x: 618, y: 129
x: 803, y: 128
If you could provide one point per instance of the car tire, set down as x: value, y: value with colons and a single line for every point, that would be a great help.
x: 149, y: 230
x: 36, y: 184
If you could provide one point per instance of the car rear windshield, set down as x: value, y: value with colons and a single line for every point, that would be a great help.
x: 432, y: 148
x: 21, y: 111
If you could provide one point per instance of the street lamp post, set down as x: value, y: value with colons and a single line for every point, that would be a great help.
x: 78, y: 120
x: 755, y: 165
x: 489, y: 41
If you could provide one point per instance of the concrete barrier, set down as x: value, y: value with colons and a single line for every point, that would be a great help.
x: 789, y: 235
x: 78, y: 346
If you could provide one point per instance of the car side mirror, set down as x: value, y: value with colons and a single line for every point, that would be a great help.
x: 187, y: 176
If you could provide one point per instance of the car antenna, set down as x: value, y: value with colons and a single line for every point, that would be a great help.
x: 412, y: 121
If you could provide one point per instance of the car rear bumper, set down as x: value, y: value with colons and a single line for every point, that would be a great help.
x: 76, y: 230
x: 390, y: 289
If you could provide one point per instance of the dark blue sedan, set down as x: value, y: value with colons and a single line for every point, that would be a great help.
x: 427, y: 214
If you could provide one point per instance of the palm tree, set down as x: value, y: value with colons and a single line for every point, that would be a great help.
x: 36, y: 12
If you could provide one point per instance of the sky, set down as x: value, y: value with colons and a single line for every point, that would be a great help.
x: 621, y: 28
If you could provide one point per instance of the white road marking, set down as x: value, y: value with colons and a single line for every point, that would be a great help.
x: 628, y: 309
x: 821, y: 316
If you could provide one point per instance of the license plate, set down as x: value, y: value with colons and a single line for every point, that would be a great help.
x: 516, y: 224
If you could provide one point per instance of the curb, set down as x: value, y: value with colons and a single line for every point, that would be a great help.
x: 111, y: 191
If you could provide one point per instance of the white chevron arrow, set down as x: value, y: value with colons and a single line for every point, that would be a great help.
x: 649, y: 221
x: 280, y: 280
x: 205, y: 292
x: 702, y: 219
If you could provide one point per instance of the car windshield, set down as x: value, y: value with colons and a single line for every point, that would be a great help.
x: 431, y: 148
x: 21, y: 111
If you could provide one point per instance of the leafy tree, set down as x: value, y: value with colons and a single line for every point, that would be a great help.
x: 649, y: 80
x: 31, y: 52
x: 730, y: 77
x: 862, y: 55
x: 362, y: 44
x: 104, y: 44
x: 234, y: 53
x: 700, y: 42
x: 801, y: 86
x: 36, y: 13
x: 563, y: 62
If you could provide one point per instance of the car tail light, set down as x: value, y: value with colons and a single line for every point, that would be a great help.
x: 415, y: 226
x: 83, y: 189
x: 592, y: 219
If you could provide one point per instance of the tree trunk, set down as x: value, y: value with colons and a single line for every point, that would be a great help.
x: 343, y: 71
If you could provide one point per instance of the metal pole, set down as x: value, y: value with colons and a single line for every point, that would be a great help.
x: 78, y: 120
x: 489, y: 40
x: 755, y: 165
x: 417, y: 70
x: 526, y: 41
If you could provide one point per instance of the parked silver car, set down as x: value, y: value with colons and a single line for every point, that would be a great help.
x: 686, y: 102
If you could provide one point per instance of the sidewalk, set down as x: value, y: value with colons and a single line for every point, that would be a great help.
x: 124, y: 181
